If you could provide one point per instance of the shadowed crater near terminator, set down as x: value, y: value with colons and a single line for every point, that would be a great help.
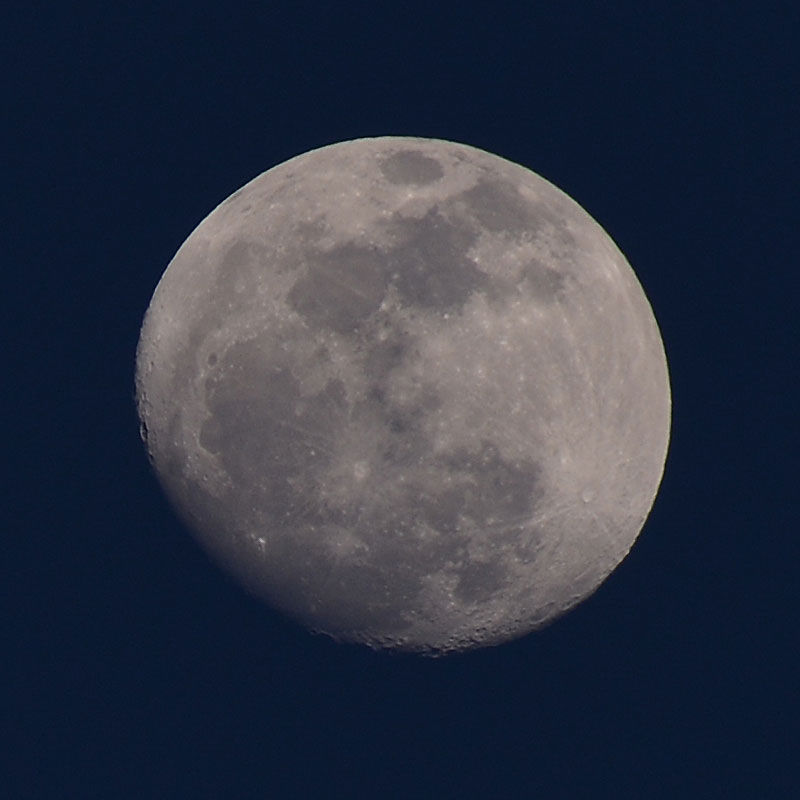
x: 408, y: 392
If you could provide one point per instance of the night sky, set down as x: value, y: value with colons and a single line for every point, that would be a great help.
x: 136, y: 668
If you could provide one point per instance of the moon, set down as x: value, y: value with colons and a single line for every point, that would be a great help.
x: 408, y: 392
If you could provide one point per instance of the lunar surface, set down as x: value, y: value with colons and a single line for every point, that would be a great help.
x: 409, y: 392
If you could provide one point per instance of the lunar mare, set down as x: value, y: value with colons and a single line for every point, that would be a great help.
x: 409, y: 392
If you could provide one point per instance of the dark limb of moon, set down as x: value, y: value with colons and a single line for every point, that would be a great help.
x: 409, y: 392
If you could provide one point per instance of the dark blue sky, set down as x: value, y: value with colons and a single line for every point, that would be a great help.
x: 139, y: 670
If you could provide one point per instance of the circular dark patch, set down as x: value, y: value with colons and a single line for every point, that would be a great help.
x: 410, y: 167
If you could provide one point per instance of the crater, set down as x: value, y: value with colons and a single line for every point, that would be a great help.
x: 411, y: 167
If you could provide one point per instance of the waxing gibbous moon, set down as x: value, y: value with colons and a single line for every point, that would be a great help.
x: 409, y: 392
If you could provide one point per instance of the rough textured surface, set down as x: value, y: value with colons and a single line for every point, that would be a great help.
x: 408, y: 391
